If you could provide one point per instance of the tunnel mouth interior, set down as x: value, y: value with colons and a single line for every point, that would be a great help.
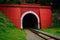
x: 30, y: 21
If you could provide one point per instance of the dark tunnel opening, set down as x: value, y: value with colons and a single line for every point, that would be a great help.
x: 30, y: 21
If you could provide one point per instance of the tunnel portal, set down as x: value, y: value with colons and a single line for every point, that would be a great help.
x: 30, y: 21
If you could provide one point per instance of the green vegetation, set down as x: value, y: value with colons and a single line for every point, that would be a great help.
x: 52, y: 30
x: 10, y: 1
x: 8, y: 30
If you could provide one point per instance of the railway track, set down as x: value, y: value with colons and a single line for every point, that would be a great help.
x: 32, y: 36
x: 43, y: 35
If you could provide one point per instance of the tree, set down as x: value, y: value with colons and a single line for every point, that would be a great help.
x: 9, y: 1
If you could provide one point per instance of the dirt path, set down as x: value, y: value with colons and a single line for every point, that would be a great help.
x: 32, y: 36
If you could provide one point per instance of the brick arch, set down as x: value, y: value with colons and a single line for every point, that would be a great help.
x: 32, y: 12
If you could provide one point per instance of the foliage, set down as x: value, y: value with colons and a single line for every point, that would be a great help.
x: 8, y: 30
x: 56, y: 17
x: 9, y: 1
x: 52, y: 30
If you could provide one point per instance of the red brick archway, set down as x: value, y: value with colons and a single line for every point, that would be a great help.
x: 16, y: 13
x: 26, y: 14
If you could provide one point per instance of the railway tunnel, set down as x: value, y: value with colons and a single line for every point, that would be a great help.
x: 30, y: 21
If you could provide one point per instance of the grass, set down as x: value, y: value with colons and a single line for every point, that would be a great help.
x: 52, y: 30
x: 8, y: 30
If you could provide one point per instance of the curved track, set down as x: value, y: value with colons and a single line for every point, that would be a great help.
x: 36, y: 35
